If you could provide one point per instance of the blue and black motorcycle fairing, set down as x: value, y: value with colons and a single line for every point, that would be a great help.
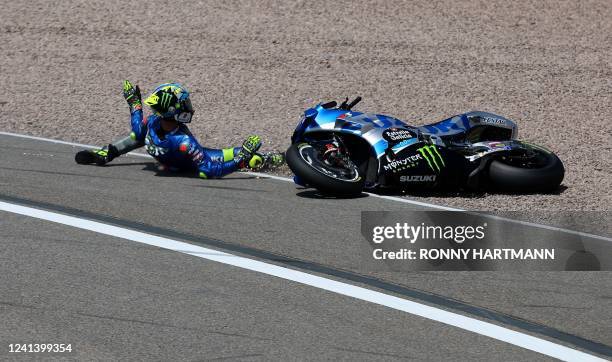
x: 341, y: 151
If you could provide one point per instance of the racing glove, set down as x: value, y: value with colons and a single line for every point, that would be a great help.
x: 99, y: 157
x: 132, y: 96
x: 247, y: 151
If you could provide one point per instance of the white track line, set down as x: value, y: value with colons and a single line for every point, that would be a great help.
x: 390, y: 198
x: 457, y: 320
x: 51, y: 140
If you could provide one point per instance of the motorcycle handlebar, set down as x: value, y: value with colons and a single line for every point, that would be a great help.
x: 348, y: 107
x: 354, y: 102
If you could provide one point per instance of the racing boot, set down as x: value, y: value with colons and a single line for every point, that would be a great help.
x: 99, y: 157
x: 275, y: 159
x: 269, y: 160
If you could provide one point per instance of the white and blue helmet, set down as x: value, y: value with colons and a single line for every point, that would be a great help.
x: 171, y: 100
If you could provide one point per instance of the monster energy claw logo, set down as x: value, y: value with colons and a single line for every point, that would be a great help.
x: 432, y: 156
x: 165, y: 100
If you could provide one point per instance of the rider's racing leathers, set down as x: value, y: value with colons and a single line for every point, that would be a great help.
x: 178, y: 149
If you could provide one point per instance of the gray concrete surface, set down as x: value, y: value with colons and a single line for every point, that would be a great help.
x: 118, y: 300
x: 254, y: 66
x: 267, y: 215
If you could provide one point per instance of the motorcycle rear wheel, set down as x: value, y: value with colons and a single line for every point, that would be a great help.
x: 305, y: 161
x: 541, y: 172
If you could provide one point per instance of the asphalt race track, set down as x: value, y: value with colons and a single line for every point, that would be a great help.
x: 117, y: 299
x: 294, y: 285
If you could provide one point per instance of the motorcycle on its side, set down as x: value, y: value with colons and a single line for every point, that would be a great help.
x: 342, y: 152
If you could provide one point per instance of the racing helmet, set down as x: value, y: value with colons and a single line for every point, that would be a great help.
x: 171, y: 100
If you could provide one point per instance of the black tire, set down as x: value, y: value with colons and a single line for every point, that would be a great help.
x: 545, y: 178
x: 322, y: 182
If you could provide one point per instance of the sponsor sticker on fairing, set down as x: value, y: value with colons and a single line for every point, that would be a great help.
x: 396, y: 135
x: 491, y: 120
x: 418, y: 178
x: 409, y: 161
x: 433, y: 157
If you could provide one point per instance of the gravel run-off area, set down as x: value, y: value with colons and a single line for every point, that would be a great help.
x: 254, y: 66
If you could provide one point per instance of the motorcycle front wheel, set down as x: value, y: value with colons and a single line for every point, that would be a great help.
x: 306, y: 162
